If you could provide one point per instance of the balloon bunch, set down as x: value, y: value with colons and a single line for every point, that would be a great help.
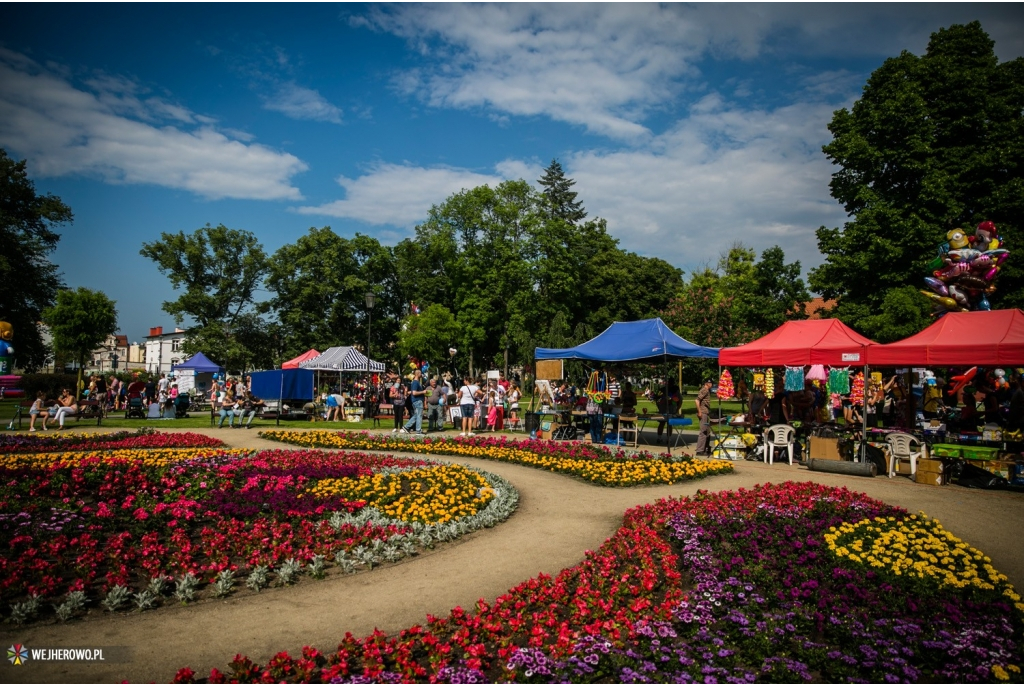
x: 965, y: 270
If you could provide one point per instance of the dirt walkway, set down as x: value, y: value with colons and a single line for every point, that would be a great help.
x: 558, y: 519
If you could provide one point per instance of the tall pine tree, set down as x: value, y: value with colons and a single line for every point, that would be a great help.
x: 560, y: 199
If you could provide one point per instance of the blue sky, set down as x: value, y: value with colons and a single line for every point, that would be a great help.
x: 688, y: 127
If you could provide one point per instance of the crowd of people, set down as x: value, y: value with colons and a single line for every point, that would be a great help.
x: 486, y: 404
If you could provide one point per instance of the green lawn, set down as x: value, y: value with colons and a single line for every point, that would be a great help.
x: 196, y: 420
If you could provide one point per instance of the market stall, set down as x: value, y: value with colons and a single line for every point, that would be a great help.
x: 647, y: 341
x: 780, y: 358
x: 339, y: 360
x: 196, y: 373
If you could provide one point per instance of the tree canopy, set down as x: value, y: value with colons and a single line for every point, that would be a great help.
x: 79, y: 322
x: 29, y: 282
x: 934, y: 143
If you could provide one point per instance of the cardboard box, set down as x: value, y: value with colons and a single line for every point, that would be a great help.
x: 930, y: 472
x: 825, y: 448
x: 998, y: 467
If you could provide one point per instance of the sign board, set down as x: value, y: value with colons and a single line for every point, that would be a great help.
x: 549, y: 370
x: 851, y: 356
x: 493, y: 374
x: 186, y: 380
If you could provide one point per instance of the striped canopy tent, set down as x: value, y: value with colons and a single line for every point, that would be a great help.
x: 340, y: 359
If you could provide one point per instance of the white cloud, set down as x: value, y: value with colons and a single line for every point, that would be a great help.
x: 297, y: 102
x: 398, y: 194
x: 723, y: 174
x: 113, y: 131
x: 604, y: 66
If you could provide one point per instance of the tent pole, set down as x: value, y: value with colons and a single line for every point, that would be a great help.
x: 280, y: 399
x: 864, y: 418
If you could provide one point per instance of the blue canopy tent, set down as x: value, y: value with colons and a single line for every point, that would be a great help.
x: 290, y: 384
x: 199, y: 363
x: 648, y: 341
x: 198, y: 370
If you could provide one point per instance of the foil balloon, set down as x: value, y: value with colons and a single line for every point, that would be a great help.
x: 965, y: 270
x: 960, y: 382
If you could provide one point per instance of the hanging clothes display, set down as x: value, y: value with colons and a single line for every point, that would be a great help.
x: 769, y: 383
x: 817, y: 373
x: 794, y: 378
x: 839, y: 381
x: 857, y: 389
x: 725, y: 387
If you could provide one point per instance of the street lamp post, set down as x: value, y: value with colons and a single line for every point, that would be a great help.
x: 371, y: 299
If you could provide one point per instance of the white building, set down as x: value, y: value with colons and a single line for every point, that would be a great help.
x: 163, y: 350
x: 112, y: 355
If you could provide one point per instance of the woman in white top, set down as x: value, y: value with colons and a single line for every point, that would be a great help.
x: 66, y: 405
x: 468, y: 394
x: 513, y: 401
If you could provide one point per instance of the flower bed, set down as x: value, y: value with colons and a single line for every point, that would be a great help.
x: 596, y: 464
x: 118, y: 528
x: 743, y: 586
x: 145, y: 438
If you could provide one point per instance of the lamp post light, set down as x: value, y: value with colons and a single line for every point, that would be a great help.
x: 371, y: 299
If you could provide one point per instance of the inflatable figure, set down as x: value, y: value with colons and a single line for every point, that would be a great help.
x: 960, y: 382
x: 964, y: 271
x: 6, y: 349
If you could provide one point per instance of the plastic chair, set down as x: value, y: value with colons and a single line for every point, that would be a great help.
x: 903, y: 446
x: 776, y: 437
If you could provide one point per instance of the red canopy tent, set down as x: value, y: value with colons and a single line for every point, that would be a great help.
x: 799, y: 343
x: 305, y: 356
x: 960, y: 339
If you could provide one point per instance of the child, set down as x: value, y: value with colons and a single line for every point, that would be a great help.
x: 492, y: 409
x: 38, y: 407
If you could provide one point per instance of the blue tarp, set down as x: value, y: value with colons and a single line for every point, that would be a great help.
x: 298, y: 384
x: 200, y: 364
x: 649, y: 340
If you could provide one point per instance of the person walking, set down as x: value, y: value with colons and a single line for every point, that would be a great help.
x: 467, y: 403
x: 417, y: 393
x: 703, y: 403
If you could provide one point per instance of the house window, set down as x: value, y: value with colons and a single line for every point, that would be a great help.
x: 175, y: 344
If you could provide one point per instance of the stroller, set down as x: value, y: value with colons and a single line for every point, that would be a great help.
x: 135, y: 409
x: 181, y: 406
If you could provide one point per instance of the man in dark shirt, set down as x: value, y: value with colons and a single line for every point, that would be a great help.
x: 703, y: 402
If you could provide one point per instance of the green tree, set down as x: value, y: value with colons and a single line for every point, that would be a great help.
x: 704, y: 316
x: 29, y: 282
x: 428, y: 335
x: 934, y: 143
x: 80, y: 322
x: 220, y: 270
x: 319, y: 284
x: 218, y: 267
x: 559, y: 200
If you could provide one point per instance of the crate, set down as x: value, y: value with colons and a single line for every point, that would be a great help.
x: 980, y: 453
x: 946, y: 450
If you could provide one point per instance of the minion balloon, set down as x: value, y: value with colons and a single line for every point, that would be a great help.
x: 6, y: 349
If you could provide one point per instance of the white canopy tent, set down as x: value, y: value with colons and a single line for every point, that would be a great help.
x: 341, y: 359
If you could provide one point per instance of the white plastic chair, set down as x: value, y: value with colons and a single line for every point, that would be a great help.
x: 775, y: 438
x: 903, y: 446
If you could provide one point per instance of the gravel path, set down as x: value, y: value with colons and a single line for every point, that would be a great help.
x: 557, y: 521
